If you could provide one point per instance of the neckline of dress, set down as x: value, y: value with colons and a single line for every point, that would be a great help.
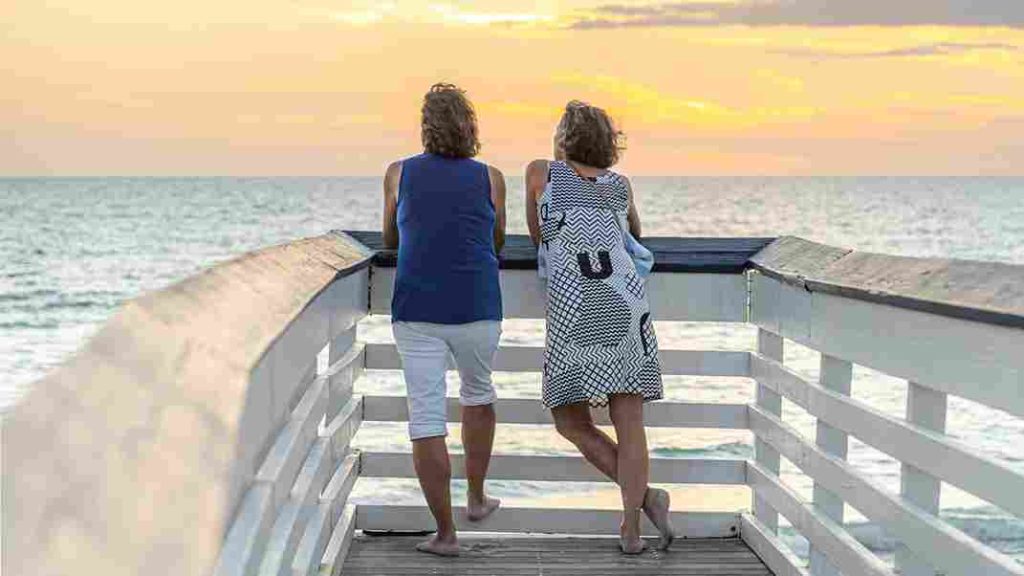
x: 591, y: 180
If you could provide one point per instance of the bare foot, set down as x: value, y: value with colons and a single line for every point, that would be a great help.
x: 477, y: 511
x: 631, y: 546
x: 438, y: 547
x: 656, y: 505
x: 629, y: 533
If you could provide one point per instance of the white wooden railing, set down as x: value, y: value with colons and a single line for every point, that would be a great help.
x: 948, y: 328
x: 279, y: 504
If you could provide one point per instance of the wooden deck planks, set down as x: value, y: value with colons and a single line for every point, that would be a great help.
x: 549, y: 556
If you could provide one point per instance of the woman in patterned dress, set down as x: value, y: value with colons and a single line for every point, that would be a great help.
x: 601, y: 348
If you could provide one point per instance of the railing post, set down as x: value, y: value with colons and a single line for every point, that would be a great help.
x: 836, y: 375
x: 927, y: 409
x: 769, y: 345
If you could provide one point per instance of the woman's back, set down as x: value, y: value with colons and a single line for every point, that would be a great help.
x: 447, y: 266
x: 600, y: 338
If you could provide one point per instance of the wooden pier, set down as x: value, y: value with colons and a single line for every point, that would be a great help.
x: 540, y: 556
x: 208, y: 427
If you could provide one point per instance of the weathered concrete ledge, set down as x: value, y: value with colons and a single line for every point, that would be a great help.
x: 988, y: 292
x: 132, y: 457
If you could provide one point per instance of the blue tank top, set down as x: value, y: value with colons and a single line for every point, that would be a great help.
x: 447, y: 268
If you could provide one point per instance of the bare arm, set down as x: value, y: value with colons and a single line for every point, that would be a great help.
x: 390, y: 227
x: 633, y: 216
x: 498, y: 198
x: 536, y: 180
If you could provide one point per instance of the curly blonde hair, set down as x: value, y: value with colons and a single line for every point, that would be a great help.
x: 448, y: 123
x: 587, y: 135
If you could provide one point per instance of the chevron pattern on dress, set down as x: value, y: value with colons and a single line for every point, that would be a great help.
x: 600, y: 340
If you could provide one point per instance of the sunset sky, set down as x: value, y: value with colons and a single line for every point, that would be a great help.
x: 321, y: 87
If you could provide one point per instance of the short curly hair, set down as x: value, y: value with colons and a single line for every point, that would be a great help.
x: 448, y: 123
x: 587, y: 135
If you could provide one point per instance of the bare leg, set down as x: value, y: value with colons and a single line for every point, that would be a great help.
x: 478, y: 440
x: 576, y: 425
x: 626, y: 412
x: 430, y: 458
x: 574, y: 422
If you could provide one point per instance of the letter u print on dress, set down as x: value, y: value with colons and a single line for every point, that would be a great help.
x: 588, y: 271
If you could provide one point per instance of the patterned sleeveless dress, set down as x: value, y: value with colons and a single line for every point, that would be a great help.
x: 600, y: 337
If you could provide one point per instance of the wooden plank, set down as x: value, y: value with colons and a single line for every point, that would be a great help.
x: 988, y: 292
x: 341, y: 378
x: 981, y: 362
x: 564, y: 468
x: 936, y: 454
x: 340, y: 486
x: 529, y: 411
x: 836, y: 375
x: 314, y: 542
x: 709, y: 297
x: 282, y: 464
x: 531, y: 359
x: 247, y: 538
x: 771, y: 346
x: 545, y: 521
x: 842, y: 549
x: 550, y: 556
x: 772, y: 551
x: 947, y: 547
x: 343, y: 428
x: 339, y: 544
x: 927, y: 409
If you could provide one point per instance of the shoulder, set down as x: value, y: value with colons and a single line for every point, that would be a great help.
x: 538, y: 168
x: 624, y: 180
x: 493, y: 172
x: 394, y: 169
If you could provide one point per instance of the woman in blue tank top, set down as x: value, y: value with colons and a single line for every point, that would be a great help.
x: 445, y: 212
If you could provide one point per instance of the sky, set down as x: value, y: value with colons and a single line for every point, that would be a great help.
x: 321, y: 87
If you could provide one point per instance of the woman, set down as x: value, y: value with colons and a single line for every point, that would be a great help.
x: 601, y: 348
x: 445, y: 212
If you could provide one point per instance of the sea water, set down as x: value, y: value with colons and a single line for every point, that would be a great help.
x: 72, y: 250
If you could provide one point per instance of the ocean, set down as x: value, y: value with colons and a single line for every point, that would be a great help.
x: 72, y: 250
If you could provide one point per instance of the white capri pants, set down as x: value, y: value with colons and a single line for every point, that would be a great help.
x: 424, y: 348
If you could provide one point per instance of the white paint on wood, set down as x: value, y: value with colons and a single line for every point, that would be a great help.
x: 842, y: 549
x: 927, y: 409
x: 243, y: 547
x: 565, y: 468
x: 341, y: 378
x: 836, y: 375
x: 981, y: 362
x: 531, y: 359
x: 292, y: 518
x: 947, y: 547
x: 772, y: 551
x: 346, y: 301
x: 545, y: 521
x: 528, y: 411
x: 284, y: 539
x: 344, y: 426
x: 772, y: 346
x: 340, y: 487
x: 934, y: 453
x: 285, y: 458
x: 684, y: 297
x: 339, y: 544
x: 313, y: 543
